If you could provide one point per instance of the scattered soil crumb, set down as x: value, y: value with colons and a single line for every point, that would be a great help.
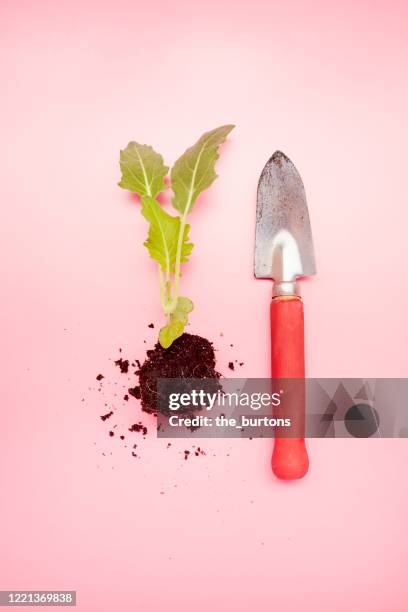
x: 100, y: 376
x: 135, y: 392
x: 104, y: 417
x: 231, y: 365
x: 123, y: 364
x: 151, y: 325
x: 138, y: 427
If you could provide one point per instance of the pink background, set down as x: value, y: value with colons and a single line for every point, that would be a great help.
x: 326, y: 83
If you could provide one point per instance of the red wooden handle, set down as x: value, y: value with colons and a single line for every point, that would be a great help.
x: 289, y: 458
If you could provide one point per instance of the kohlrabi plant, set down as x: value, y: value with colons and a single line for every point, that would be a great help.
x: 143, y: 172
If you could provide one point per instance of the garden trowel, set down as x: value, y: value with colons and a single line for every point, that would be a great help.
x: 284, y: 252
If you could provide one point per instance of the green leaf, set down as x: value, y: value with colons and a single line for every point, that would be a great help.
x: 177, y: 323
x: 170, y: 332
x: 163, y: 235
x: 186, y: 246
x: 143, y: 170
x: 183, y: 307
x: 194, y: 171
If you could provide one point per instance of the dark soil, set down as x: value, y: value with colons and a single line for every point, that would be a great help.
x: 123, y: 364
x: 189, y: 357
x: 135, y: 392
x: 139, y: 427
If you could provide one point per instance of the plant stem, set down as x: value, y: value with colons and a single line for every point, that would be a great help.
x: 165, y: 285
x: 178, y: 258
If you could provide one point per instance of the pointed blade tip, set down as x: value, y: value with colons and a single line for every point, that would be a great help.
x: 278, y: 156
x: 278, y: 159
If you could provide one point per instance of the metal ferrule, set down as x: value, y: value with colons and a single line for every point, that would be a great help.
x: 285, y: 288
